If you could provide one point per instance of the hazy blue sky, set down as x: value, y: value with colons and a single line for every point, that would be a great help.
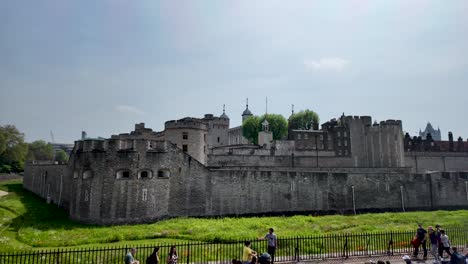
x: 102, y: 66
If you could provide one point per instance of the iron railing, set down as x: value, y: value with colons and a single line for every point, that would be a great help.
x: 290, y: 249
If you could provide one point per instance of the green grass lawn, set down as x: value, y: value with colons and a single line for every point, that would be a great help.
x: 26, y: 222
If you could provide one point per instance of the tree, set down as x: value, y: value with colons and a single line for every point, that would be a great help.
x: 250, y: 128
x: 40, y: 150
x: 278, y: 125
x: 303, y: 119
x: 253, y: 125
x: 13, y: 149
x: 61, y: 156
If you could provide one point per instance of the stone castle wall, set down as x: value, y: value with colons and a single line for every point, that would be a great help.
x: 50, y: 181
x: 191, y: 189
x: 437, y: 161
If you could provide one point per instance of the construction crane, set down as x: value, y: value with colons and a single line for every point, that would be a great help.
x: 52, y: 136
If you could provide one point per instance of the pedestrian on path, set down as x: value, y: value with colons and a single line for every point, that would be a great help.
x: 434, y: 244
x: 421, y: 236
x: 272, y: 243
x: 444, y: 239
x: 130, y: 257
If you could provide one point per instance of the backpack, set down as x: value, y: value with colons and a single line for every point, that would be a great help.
x: 457, y: 258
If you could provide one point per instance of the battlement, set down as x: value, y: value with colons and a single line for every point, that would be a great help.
x: 216, y: 119
x: 187, y: 123
x: 365, y: 120
x: 115, y: 144
x: 388, y: 123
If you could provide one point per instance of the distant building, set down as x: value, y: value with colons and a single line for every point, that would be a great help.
x: 430, y: 130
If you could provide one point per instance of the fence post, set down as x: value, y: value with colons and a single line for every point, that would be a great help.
x: 345, y: 247
x: 188, y: 253
x: 297, y: 249
x: 390, y: 244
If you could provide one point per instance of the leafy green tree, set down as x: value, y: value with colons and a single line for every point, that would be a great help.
x: 40, y: 150
x: 250, y: 128
x: 13, y: 149
x: 303, y: 119
x: 278, y: 125
x: 253, y: 125
x: 61, y: 156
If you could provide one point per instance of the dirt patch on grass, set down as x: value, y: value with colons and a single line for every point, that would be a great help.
x: 2, y: 193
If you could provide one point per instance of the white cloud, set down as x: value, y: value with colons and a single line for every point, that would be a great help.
x: 129, y: 110
x: 331, y: 64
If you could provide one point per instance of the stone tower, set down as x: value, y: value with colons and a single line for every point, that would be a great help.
x: 190, y: 135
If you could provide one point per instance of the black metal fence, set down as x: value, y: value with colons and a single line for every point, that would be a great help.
x: 291, y: 249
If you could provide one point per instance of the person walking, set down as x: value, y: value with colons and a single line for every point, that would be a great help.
x: 154, y: 257
x: 272, y: 243
x: 444, y: 239
x: 434, y: 244
x: 440, y: 245
x: 421, y: 236
x: 130, y: 257
x: 172, y: 257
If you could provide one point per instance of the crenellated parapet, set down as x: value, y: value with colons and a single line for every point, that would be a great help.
x: 186, y: 123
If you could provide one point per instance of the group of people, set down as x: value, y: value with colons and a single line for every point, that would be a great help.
x: 439, y: 243
x: 172, y: 257
x: 249, y: 256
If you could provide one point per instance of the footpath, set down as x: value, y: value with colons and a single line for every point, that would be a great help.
x: 393, y: 259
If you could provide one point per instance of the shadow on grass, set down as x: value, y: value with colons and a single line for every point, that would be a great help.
x: 34, y: 212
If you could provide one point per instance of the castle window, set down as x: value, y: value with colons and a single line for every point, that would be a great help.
x: 306, y: 136
x: 184, y: 135
x: 298, y: 136
x: 321, y: 137
x: 345, y: 134
x: 329, y: 137
x: 145, y: 174
x: 185, y: 148
x: 144, y: 194
x: 87, y: 174
x: 346, y: 152
x: 164, y: 173
x: 86, y: 196
x: 339, y: 143
x: 345, y: 143
x: 76, y: 174
x: 339, y: 134
x: 123, y: 144
x: 122, y: 174
x: 218, y: 139
x: 339, y: 152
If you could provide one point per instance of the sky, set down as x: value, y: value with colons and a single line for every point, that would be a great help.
x: 102, y: 66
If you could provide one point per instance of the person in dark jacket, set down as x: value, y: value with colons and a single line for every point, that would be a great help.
x: 154, y: 257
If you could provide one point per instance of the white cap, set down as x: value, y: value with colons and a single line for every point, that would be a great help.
x: 406, y: 257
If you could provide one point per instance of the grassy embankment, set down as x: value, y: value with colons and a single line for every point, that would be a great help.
x: 26, y: 222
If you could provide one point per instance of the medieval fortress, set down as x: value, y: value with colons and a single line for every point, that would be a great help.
x: 202, y: 167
